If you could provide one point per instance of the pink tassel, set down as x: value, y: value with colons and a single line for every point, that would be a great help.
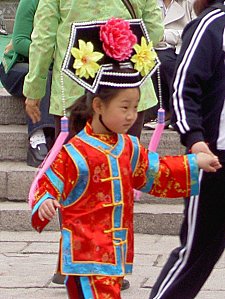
x: 154, y: 142
x: 50, y: 158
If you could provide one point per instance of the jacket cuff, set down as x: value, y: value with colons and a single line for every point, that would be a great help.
x: 36, y: 222
x: 194, y: 173
x: 191, y: 138
x: 34, y: 89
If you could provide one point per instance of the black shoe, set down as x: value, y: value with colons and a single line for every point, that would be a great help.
x: 58, y: 278
x: 35, y: 156
x: 125, y: 285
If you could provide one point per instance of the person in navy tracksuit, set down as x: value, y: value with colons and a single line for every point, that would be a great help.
x: 198, y: 103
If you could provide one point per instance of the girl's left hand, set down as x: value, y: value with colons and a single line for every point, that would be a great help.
x: 47, y: 209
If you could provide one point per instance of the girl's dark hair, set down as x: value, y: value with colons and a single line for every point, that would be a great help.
x: 81, y: 110
x: 200, y: 5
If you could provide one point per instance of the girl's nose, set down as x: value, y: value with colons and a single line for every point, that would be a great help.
x: 131, y: 115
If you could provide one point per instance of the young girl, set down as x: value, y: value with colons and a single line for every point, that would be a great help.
x: 92, y: 180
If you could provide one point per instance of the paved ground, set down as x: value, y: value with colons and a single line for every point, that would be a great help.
x: 28, y: 260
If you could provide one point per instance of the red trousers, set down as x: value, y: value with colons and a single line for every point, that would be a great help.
x: 93, y: 287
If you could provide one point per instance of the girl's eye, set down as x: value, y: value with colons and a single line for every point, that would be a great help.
x: 124, y: 107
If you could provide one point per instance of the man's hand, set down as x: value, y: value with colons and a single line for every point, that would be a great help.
x: 33, y: 110
x: 201, y: 147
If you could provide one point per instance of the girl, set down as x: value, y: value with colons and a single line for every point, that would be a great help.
x: 92, y: 179
x: 92, y: 182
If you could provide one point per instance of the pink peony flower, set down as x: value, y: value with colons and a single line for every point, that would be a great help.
x: 118, y: 39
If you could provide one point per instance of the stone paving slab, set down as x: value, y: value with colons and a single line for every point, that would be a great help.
x: 13, y: 142
x: 16, y: 178
x: 12, y: 109
x: 169, y: 143
x: 27, y: 273
x: 148, y: 219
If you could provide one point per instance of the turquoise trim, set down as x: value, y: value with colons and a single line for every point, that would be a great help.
x: 194, y: 174
x: 96, y: 143
x: 152, y: 171
x: 36, y: 207
x: 55, y: 180
x: 128, y: 268
x: 89, y: 268
x: 136, y: 152
x: 66, y: 279
x: 118, y: 216
x: 86, y: 287
x: 117, y: 191
x: 82, y: 180
x: 121, y: 234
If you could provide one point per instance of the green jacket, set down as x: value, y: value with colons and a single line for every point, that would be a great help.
x: 50, y: 38
x: 18, y: 49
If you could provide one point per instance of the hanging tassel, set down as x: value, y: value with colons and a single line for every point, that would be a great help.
x: 154, y: 141
x: 50, y: 158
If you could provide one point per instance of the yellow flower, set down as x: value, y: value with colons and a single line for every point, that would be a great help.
x: 85, y: 60
x: 145, y: 58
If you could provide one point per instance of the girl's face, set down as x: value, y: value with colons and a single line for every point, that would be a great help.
x: 119, y: 114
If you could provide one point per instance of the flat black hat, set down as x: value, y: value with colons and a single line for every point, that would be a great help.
x: 110, y: 66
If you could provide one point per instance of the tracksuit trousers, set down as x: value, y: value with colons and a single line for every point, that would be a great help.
x: 202, y: 240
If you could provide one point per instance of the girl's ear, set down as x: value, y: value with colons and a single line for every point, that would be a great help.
x: 97, y: 105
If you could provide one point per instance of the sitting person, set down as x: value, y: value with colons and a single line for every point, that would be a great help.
x: 13, y: 69
x: 176, y: 15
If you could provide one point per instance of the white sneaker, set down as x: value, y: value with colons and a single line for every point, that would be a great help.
x: 3, y: 31
x: 151, y: 125
x: 171, y: 128
x: 37, y: 138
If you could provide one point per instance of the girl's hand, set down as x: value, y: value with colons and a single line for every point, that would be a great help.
x: 208, y: 162
x: 47, y: 209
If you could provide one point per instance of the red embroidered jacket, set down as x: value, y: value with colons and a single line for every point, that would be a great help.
x: 93, y: 178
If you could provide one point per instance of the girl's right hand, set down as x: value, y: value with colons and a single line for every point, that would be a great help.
x: 205, y: 158
x: 47, y: 209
